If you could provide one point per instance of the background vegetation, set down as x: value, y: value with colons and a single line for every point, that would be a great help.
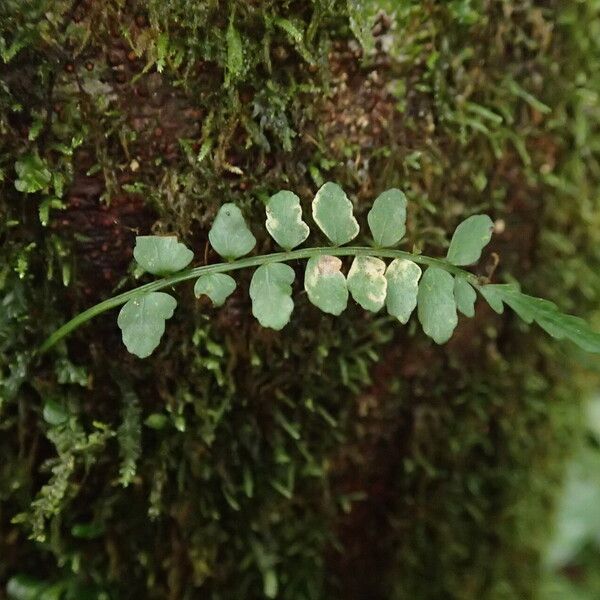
x: 572, y: 559
x: 339, y: 458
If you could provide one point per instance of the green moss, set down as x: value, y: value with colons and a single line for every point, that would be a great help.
x: 339, y: 458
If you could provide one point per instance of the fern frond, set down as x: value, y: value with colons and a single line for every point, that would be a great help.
x: 444, y: 290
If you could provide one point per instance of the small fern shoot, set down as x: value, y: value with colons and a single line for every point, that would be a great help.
x: 439, y: 288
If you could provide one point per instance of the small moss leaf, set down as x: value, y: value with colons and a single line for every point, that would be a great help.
x: 387, y: 218
x: 367, y: 282
x: 332, y: 212
x: 271, y: 291
x: 217, y: 286
x: 270, y: 584
x: 229, y: 234
x: 544, y: 313
x: 465, y: 296
x: 284, y: 220
x: 23, y: 587
x: 87, y: 531
x: 469, y: 239
x: 235, y: 52
x: 403, y: 283
x: 436, y: 304
x: 32, y: 174
x: 295, y: 33
x: 325, y: 284
x: 161, y: 255
x: 142, y: 321
x: 156, y: 421
x: 362, y: 19
x: 54, y: 413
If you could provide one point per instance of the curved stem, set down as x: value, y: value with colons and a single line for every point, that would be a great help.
x: 243, y: 263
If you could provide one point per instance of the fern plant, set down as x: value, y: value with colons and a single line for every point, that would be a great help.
x: 439, y: 293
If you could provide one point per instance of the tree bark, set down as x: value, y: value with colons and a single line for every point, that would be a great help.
x: 340, y: 458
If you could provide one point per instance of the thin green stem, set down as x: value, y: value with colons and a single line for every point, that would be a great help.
x: 243, y: 263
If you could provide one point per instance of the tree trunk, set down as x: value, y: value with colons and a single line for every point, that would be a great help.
x: 341, y: 457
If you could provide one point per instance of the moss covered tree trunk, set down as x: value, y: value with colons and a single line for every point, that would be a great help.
x: 340, y: 458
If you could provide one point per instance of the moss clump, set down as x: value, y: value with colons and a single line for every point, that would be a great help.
x: 338, y: 458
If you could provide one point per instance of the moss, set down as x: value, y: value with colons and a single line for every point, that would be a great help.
x: 339, y: 458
